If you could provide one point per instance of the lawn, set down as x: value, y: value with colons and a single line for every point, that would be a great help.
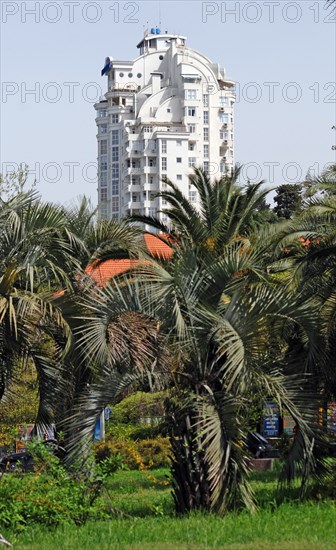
x: 142, y: 518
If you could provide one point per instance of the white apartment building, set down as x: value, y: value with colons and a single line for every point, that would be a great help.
x: 163, y: 113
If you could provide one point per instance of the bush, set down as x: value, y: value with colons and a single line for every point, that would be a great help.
x: 136, y: 455
x: 155, y: 453
x: 50, y: 497
x: 131, y: 431
x: 111, y: 464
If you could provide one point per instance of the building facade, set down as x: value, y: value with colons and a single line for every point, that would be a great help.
x: 163, y: 113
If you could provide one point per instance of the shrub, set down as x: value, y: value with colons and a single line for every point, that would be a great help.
x: 50, y: 497
x: 136, y: 455
x: 126, y: 449
x: 155, y: 453
x: 111, y: 464
x: 131, y: 431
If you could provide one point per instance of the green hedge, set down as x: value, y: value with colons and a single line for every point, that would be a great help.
x: 140, y: 405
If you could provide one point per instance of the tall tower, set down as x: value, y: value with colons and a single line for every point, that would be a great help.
x: 163, y: 113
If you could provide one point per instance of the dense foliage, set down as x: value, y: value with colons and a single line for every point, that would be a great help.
x: 243, y: 312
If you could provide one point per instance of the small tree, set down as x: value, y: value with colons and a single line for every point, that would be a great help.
x: 288, y: 199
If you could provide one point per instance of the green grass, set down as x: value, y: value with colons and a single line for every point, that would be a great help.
x: 142, y: 518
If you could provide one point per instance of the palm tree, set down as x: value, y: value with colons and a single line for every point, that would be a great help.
x: 324, y: 184
x: 44, y: 252
x: 37, y: 256
x: 305, y: 250
x: 226, y: 211
x: 217, y: 325
x: 100, y: 239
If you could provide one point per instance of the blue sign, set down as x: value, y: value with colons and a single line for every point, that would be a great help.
x: 97, y: 431
x: 271, y: 419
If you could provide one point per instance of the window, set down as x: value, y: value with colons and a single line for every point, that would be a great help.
x: 179, y: 159
x: 103, y: 194
x: 191, y: 94
x: 206, y: 134
x: 164, y: 164
x: 169, y: 110
x: 103, y: 179
x: 192, y: 128
x: 223, y: 135
x: 179, y: 142
x: 102, y: 129
x: 206, y: 151
x: 115, y: 137
x: 192, y: 195
x: 205, y: 117
x: 223, y: 168
x: 151, y: 161
x: 206, y: 100
x: 103, y: 147
x: 115, y: 187
x: 103, y: 165
x: 191, y: 161
x: 102, y: 113
x: 139, y: 75
x: 115, y: 154
x: 115, y: 171
x: 179, y: 177
x: 223, y: 117
x: 130, y: 75
x: 146, y: 129
x: 115, y: 204
x: 223, y: 100
x: 206, y: 166
x: 191, y: 146
x: 103, y: 212
x: 191, y: 111
x: 151, y: 179
x: 164, y: 146
x: 115, y: 119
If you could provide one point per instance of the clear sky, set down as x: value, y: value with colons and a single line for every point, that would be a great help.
x: 281, y: 54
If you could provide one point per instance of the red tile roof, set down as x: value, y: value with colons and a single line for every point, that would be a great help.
x: 103, y: 272
x: 158, y: 248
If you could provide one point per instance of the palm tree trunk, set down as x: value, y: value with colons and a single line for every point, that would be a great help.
x: 191, y: 490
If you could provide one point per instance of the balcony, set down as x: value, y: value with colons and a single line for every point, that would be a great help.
x: 134, y: 188
x: 149, y: 204
x: 132, y: 205
x: 150, y: 187
x: 131, y: 171
x: 135, y: 152
x: 150, y: 169
x: 150, y: 151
